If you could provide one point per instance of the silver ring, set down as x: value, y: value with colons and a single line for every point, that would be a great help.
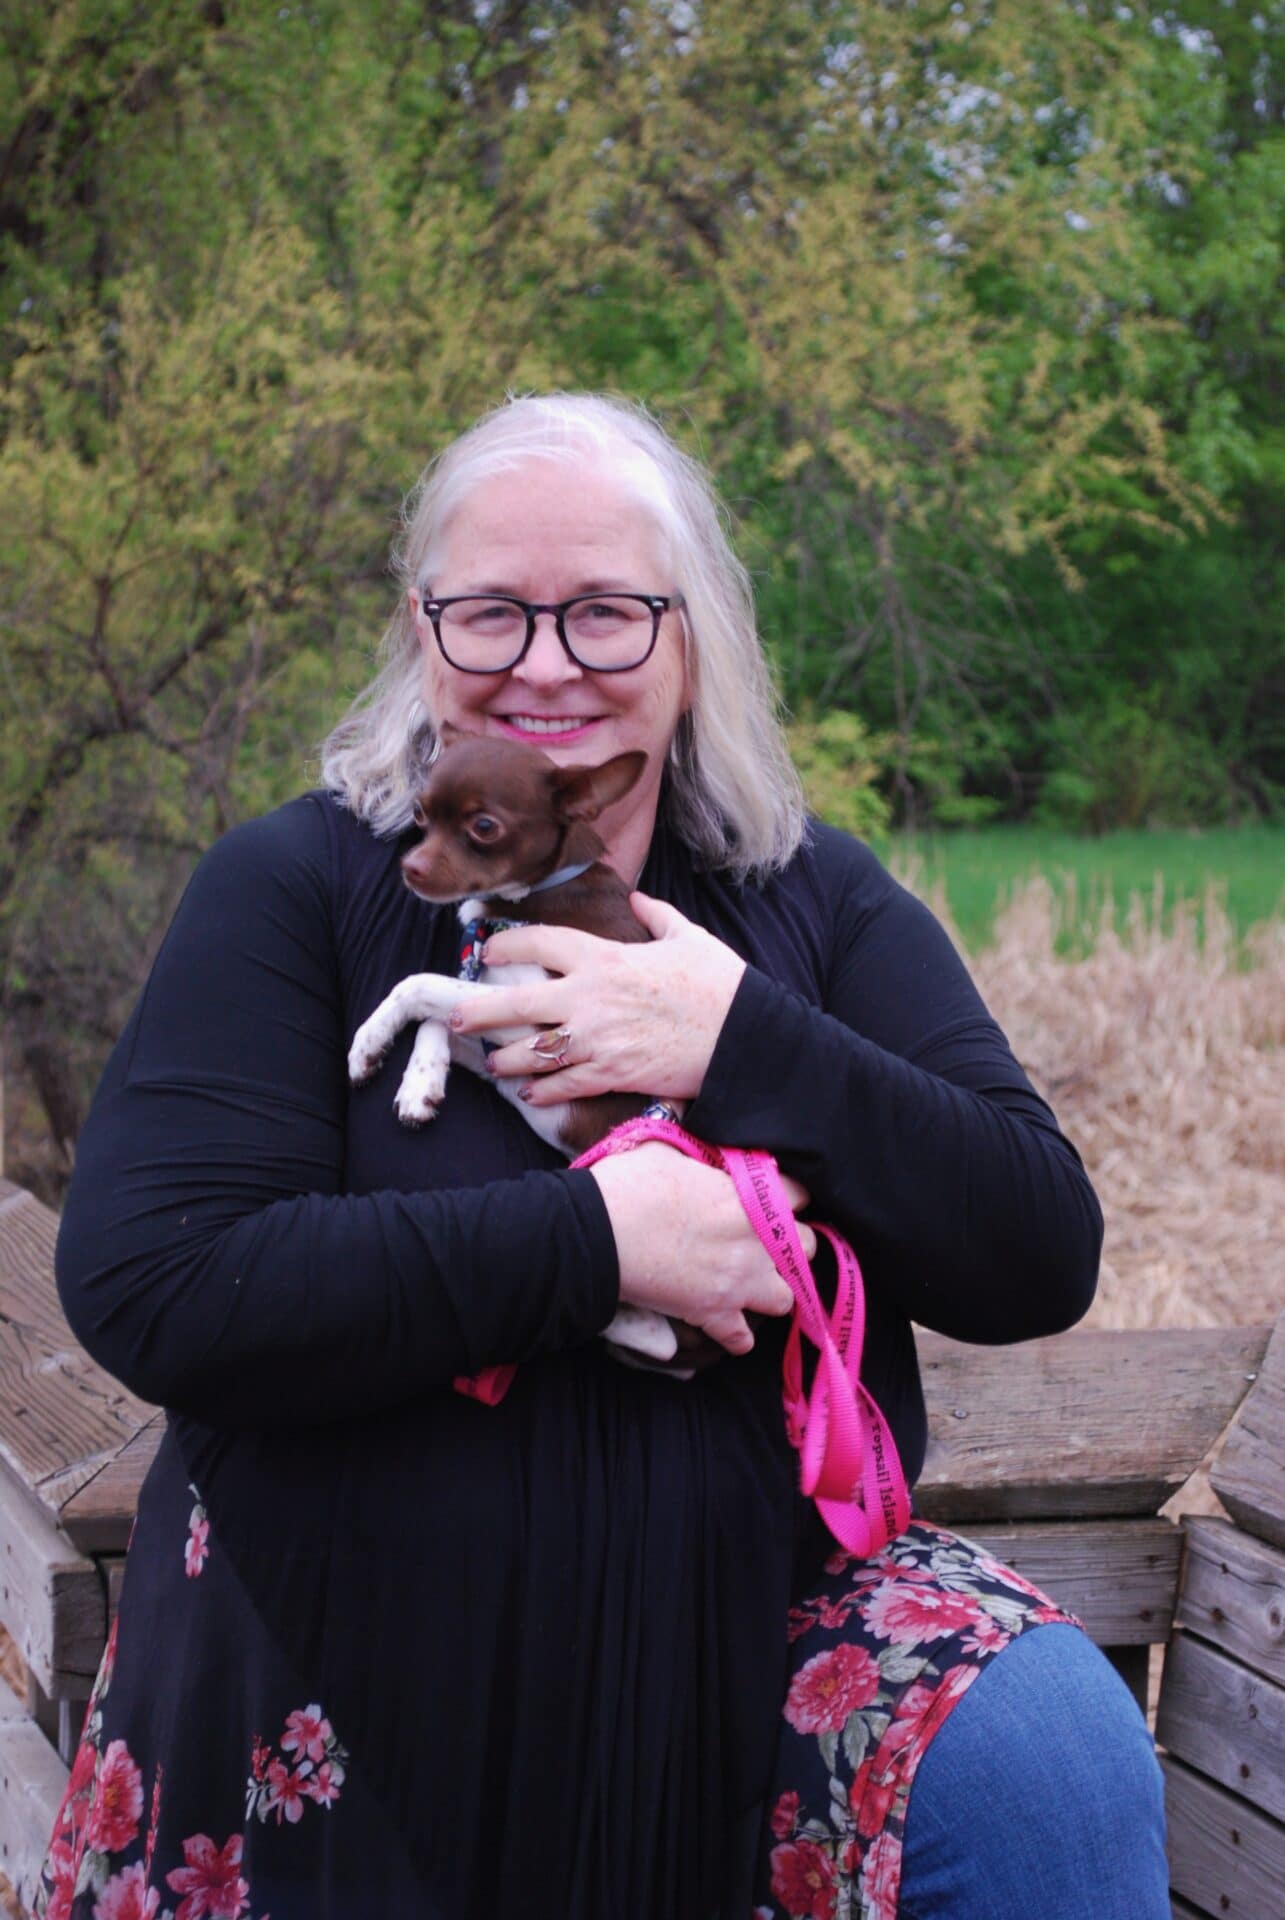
x: 552, y: 1045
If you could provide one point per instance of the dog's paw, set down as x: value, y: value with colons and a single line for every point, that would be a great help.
x: 364, y: 1057
x: 419, y: 1097
x: 639, y: 1331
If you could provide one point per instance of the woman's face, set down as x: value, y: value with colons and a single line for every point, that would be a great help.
x: 543, y: 533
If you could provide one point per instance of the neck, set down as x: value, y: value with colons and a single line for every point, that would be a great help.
x: 628, y: 844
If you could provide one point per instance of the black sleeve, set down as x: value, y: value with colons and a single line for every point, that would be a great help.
x: 904, y: 1113
x: 208, y: 1256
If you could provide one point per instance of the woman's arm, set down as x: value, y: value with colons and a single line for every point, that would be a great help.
x: 208, y: 1256
x: 902, y: 1110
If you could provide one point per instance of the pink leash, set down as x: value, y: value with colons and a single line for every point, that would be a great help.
x: 847, y: 1456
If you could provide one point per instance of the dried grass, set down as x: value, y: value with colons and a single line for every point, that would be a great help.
x: 1160, y: 1053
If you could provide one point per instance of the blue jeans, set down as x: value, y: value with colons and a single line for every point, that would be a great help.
x: 1040, y: 1797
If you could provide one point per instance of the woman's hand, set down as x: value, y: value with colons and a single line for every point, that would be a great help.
x: 641, y: 1018
x: 685, y: 1246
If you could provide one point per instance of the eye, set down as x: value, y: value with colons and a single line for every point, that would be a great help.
x: 483, y: 827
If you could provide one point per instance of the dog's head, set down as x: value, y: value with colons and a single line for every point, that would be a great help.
x: 497, y: 817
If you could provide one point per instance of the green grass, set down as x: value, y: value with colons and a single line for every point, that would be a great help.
x: 981, y: 866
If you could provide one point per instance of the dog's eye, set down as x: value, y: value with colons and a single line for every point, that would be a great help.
x: 483, y: 827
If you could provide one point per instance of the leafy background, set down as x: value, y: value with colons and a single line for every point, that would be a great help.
x: 972, y: 308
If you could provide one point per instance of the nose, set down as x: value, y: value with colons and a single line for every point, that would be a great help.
x: 546, y: 662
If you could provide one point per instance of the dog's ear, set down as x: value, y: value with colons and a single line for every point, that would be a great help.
x: 581, y: 793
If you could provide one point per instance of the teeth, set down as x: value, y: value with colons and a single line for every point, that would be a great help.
x: 525, y: 724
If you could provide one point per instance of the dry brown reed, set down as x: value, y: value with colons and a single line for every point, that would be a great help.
x: 1160, y: 1053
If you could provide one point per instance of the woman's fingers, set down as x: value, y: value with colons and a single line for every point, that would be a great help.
x: 540, y: 1003
x: 558, y: 949
x: 796, y: 1194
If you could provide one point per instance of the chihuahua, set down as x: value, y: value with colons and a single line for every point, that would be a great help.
x: 500, y: 823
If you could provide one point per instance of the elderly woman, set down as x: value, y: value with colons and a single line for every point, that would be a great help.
x: 586, y: 1654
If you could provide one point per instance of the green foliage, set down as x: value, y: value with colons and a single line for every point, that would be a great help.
x: 839, y: 762
x: 978, y: 873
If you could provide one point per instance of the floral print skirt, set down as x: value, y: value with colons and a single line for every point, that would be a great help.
x: 881, y: 1652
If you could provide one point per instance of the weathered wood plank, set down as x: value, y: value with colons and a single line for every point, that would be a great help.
x: 1249, y: 1474
x: 51, y: 1598
x: 1224, y: 1720
x: 1224, y: 1856
x: 1118, y: 1577
x: 28, y: 1230
x: 1233, y: 1593
x: 60, y: 1415
x: 98, y: 1517
x: 1084, y: 1424
x: 32, y: 1782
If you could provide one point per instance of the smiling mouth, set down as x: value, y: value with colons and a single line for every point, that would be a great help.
x: 531, y: 723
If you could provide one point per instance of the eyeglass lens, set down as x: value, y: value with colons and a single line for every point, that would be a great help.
x: 606, y: 632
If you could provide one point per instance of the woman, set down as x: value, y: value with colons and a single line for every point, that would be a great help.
x: 386, y: 1651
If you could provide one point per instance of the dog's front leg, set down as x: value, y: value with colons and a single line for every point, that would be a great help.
x: 420, y: 996
x: 423, y: 1086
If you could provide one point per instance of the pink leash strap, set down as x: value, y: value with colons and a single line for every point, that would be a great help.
x: 847, y: 1456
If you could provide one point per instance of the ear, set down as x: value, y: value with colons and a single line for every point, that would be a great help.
x: 581, y: 793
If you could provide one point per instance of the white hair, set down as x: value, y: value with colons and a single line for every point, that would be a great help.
x: 730, y: 791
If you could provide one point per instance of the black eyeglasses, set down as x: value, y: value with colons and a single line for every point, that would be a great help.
x: 602, y: 632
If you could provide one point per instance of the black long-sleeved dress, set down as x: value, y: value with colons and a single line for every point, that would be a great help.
x: 384, y: 1650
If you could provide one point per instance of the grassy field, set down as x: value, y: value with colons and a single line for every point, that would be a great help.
x: 981, y: 869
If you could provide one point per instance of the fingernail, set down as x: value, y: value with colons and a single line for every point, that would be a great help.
x: 524, y: 1093
x: 481, y: 953
x: 457, y: 1018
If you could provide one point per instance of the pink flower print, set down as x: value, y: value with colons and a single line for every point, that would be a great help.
x: 196, y: 1551
x: 896, y: 1611
x: 82, y: 1769
x: 210, y: 1882
x: 799, y: 1623
x: 285, y: 1792
x: 306, y: 1734
x: 881, y: 1878
x: 830, y: 1687
x: 154, y: 1819
x: 985, y: 1635
x: 871, y: 1794
x: 323, y: 1786
x: 127, y: 1896
x: 803, y: 1880
x: 62, y: 1864
x: 118, y: 1803
x: 785, y: 1815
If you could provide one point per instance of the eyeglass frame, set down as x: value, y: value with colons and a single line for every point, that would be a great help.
x: 658, y: 604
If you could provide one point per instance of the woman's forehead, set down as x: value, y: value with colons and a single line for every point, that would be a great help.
x: 581, y: 516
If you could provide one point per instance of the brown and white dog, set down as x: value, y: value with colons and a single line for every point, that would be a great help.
x: 507, y: 833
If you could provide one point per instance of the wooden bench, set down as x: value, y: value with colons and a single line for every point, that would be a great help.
x: 1057, y: 1455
